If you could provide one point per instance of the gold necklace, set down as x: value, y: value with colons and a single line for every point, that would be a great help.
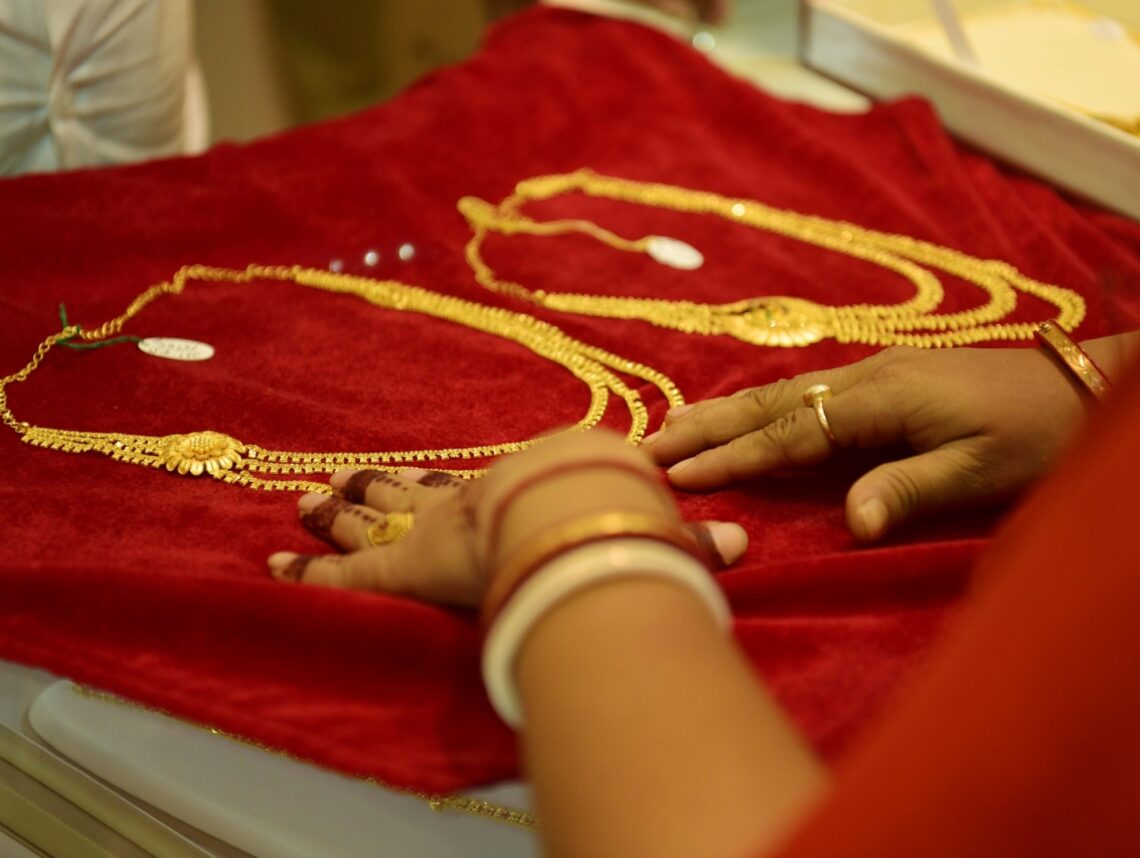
x: 771, y: 320
x: 224, y: 457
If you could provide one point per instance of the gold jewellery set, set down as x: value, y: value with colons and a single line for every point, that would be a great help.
x: 774, y: 321
x: 224, y: 457
x: 770, y: 320
x: 762, y: 320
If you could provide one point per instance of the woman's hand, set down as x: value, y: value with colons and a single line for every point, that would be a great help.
x: 434, y: 560
x: 983, y: 423
x: 462, y: 529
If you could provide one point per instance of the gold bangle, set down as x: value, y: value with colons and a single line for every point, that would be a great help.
x: 1075, y: 359
x: 535, y: 552
x: 511, y: 496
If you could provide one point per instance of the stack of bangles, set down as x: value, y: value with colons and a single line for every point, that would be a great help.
x: 571, y: 556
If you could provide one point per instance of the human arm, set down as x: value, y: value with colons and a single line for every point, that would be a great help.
x: 646, y: 731
x: 982, y: 423
x: 657, y: 740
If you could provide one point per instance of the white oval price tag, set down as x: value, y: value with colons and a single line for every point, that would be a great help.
x: 674, y: 253
x: 173, y: 348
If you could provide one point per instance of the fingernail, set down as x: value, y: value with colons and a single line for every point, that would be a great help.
x: 280, y: 560
x: 674, y: 413
x: 412, y: 474
x: 309, y: 502
x: 340, y: 478
x: 728, y: 540
x: 872, y: 516
x: 680, y: 466
x: 288, y: 566
x: 318, y: 512
x: 649, y: 439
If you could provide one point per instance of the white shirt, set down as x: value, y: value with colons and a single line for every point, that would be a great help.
x: 90, y: 82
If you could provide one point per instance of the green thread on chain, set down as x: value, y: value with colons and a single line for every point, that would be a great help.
x: 68, y: 344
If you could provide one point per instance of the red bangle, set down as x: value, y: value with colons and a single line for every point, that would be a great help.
x: 518, y: 489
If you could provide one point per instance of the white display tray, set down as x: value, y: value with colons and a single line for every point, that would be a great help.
x: 266, y: 805
x: 83, y: 775
x: 865, y: 44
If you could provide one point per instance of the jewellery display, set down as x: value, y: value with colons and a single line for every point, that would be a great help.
x: 771, y: 320
x: 814, y: 397
x: 224, y: 457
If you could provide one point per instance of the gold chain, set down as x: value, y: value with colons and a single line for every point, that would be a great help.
x: 774, y: 320
x: 223, y: 457
x: 455, y: 801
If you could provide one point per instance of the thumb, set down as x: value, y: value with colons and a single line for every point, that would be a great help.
x: 898, y: 491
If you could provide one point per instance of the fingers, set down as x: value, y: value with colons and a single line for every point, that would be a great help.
x: 798, y: 438
x: 334, y: 570
x: 337, y: 521
x: 759, y: 430
x: 895, y: 492
x: 388, y: 491
x: 421, y: 547
x: 692, y: 428
x: 433, y: 562
x: 794, y: 440
x: 384, y: 569
x: 723, y: 542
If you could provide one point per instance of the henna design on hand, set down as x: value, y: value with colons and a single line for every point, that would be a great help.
x: 439, y: 479
x: 357, y: 485
x: 319, y: 520
x: 295, y: 571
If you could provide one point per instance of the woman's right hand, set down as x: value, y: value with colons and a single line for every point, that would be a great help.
x: 463, y: 530
x: 983, y: 424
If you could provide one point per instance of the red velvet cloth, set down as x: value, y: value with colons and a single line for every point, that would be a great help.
x: 1021, y: 737
x: 155, y: 586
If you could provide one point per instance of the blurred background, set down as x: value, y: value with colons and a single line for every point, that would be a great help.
x: 270, y: 64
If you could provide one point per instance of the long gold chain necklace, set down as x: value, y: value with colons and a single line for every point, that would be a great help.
x: 771, y: 320
x: 224, y: 457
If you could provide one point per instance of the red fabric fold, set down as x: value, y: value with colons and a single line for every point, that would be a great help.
x: 155, y: 586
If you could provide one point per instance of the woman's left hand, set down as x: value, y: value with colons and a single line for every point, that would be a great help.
x: 982, y: 425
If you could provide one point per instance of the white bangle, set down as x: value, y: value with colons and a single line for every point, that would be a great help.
x: 567, y: 574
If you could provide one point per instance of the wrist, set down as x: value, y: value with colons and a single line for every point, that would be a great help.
x: 569, y: 577
x: 575, y: 496
x: 1073, y: 361
x: 1113, y: 354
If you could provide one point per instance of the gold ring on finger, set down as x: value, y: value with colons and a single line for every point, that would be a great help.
x: 814, y: 397
x: 389, y: 530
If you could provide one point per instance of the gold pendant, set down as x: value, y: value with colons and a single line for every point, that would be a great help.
x: 201, y: 453
x: 782, y: 322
